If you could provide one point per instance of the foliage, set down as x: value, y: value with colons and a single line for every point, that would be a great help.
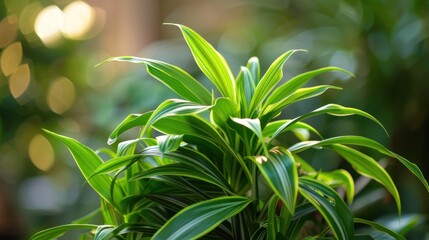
x: 210, y: 165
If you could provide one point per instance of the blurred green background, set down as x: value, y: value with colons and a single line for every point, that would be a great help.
x: 48, y: 50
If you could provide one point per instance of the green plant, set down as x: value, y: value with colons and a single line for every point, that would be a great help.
x: 224, y: 175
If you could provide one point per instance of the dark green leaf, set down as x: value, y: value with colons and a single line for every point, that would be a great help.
x: 330, y: 205
x: 56, y: 232
x: 197, y: 220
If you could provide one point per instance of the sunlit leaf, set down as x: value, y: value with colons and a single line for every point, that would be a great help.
x: 198, y: 219
x: 211, y: 62
x: 270, y: 79
x: 88, y: 161
x: 364, y: 142
x: 281, y: 174
x: 173, y: 77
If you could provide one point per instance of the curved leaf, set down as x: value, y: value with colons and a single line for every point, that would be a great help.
x: 173, y: 77
x: 272, y: 127
x: 330, y: 205
x: 211, y: 62
x: 270, y: 79
x: 281, y: 174
x: 88, y: 161
x: 336, y: 178
x: 198, y: 219
x: 332, y: 109
x: 132, y: 120
x: 380, y: 228
x: 246, y: 88
x: 367, y: 166
x: 364, y: 142
x: 58, y: 231
x: 298, y: 81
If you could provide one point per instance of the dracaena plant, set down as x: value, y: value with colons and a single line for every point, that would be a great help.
x: 210, y: 164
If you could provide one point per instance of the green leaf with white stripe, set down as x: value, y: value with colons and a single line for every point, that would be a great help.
x: 333, y: 209
x: 211, y: 62
x: 270, y: 79
x: 280, y: 172
x: 199, y: 219
x: 364, y: 142
x: 173, y: 77
x: 367, y: 166
x: 88, y: 161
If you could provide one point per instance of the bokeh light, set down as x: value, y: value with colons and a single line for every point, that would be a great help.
x: 8, y: 30
x: 20, y: 81
x: 61, y: 95
x: 48, y: 25
x: 78, y: 18
x: 11, y: 58
x: 41, y: 153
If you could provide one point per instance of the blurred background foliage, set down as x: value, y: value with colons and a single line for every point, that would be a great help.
x: 48, y: 50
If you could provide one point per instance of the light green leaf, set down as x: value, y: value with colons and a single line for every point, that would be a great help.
x: 367, y: 166
x: 88, y: 161
x: 281, y: 174
x: 380, y: 228
x: 131, y: 121
x: 173, y: 77
x: 272, y: 127
x: 252, y: 124
x: 270, y: 79
x: 246, y: 88
x: 115, y: 163
x: 298, y: 95
x: 222, y: 110
x: 169, y: 143
x: 364, y: 142
x: 211, y: 62
x: 330, y: 205
x: 56, y: 232
x: 298, y: 81
x: 332, y: 109
x: 336, y: 178
x: 255, y: 69
x: 173, y: 107
x: 197, y: 220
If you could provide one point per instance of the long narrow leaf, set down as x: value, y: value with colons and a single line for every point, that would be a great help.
x: 364, y: 142
x: 270, y: 79
x: 173, y: 77
x: 131, y: 121
x: 211, y: 62
x: 332, y: 109
x: 197, y: 220
x: 56, y: 232
x: 330, y: 205
x: 296, y: 82
x: 367, y: 166
x: 88, y: 161
x: 380, y: 228
x: 281, y: 174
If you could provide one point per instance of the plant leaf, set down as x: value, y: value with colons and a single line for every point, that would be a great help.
x: 272, y: 127
x: 246, y: 88
x: 364, y: 142
x: 281, y: 174
x: 198, y: 219
x: 367, y: 166
x: 169, y: 143
x: 298, y: 81
x: 380, y: 228
x: 58, y: 231
x: 255, y: 69
x: 336, y: 178
x: 132, y: 120
x: 173, y: 77
x: 332, y: 109
x: 270, y: 79
x: 88, y: 161
x: 330, y: 205
x: 211, y: 62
